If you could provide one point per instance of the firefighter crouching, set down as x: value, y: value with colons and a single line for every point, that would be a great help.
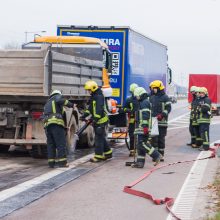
x: 142, y: 130
x: 192, y: 121
x: 55, y: 129
x: 204, y: 117
x: 130, y: 107
x: 100, y: 121
x: 161, y: 107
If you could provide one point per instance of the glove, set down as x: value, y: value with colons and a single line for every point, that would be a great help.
x: 146, y: 130
x: 159, y: 117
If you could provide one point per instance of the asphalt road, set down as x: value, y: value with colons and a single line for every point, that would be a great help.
x: 97, y: 191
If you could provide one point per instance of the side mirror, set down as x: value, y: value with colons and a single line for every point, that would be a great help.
x: 109, y: 62
x: 169, y: 71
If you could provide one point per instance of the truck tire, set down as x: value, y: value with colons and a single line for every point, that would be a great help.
x: 90, y: 136
x: 87, y: 139
x: 70, y: 134
x: 4, y: 148
x: 218, y: 111
x: 6, y: 133
x: 38, y: 151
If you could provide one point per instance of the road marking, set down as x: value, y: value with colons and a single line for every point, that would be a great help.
x: 177, y: 127
x: 186, y: 198
x: 5, y: 194
x: 179, y: 117
x: 11, y: 166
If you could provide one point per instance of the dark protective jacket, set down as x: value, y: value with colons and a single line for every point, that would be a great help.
x: 161, y: 104
x: 97, y: 108
x: 130, y: 107
x: 204, y: 110
x: 54, y: 110
x: 143, y: 115
x: 194, y: 107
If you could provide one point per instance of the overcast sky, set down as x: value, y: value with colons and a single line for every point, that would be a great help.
x: 189, y: 28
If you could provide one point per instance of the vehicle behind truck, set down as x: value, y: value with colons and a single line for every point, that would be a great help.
x: 28, y: 76
x: 212, y: 83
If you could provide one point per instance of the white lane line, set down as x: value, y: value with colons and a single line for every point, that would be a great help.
x: 31, y: 183
x: 179, y: 117
x: 177, y: 127
x: 186, y: 198
x: 179, y: 122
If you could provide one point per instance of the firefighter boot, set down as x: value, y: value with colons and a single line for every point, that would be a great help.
x: 156, y: 157
x: 108, y: 154
x: 62, y: 162
x: 139, y: 163
x: 194, y: 146
x: 97, y: 158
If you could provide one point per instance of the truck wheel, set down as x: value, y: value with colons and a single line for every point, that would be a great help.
x: 71, y: 132
x: 4, y: 148
x: 90, y: 136
x: 87, y: 138
x: 39, y: 151
x: 218, y: 111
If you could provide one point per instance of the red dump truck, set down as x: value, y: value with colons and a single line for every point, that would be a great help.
x: 212, y: 83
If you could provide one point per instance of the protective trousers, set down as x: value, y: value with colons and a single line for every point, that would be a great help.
x: 198, y: 135
x: 159, y: 141
x: 192, y: 132
x: 56, y: 142
x: 144, y: 146
x: 102, y: 150
x: 204, y: 132
x: 131, y: 129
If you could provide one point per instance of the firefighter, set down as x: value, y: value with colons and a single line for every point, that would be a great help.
x: 100, y: 121
x: 194, y: 117
x: 130, y: 107
x: 55, y: 128
x: 161, y: 107
x: 192, y: 121
x: 204, y: 117
x: 142, y: 130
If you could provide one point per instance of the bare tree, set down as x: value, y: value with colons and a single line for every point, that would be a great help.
x: 12, y: 45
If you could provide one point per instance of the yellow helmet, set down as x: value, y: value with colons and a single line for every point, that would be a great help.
x: 157, y: 84
x: 91, y: 85
x: 193, y: 89
x: 203, y: 90
x: 133, y: 86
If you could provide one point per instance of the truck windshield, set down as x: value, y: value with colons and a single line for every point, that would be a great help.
x: 89, y: 51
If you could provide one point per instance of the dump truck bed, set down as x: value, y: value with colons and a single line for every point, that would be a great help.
x: 34, y: 73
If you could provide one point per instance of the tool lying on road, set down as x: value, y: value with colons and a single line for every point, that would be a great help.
x: 168, y: 201
x: 77, y: 134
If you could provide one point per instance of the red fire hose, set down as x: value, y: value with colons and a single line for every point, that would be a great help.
x: 167, y: 200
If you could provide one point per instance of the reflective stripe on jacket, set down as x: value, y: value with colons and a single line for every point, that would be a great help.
x: 97, y: 107
x: 54, y: 110
x: 161, y: 105
x: 204, y: 110
x: 144, y: 113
